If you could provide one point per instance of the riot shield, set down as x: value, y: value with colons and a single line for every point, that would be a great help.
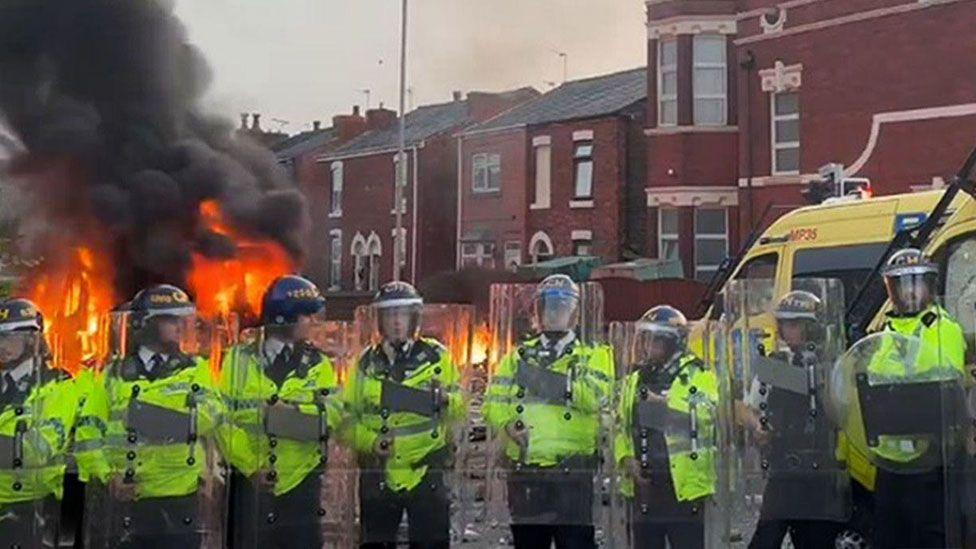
x: 902, y: 399
x: 32, y: 451
x: 785, y: 465
x: 548, y: 407
x: 407, y: 400
x: 156, y: 470
x: 664, y: 439
x: 287, y: 470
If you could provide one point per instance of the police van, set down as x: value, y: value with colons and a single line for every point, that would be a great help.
x: 847, y: 239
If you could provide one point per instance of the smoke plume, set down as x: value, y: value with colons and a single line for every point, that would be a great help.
x: 104, y: 97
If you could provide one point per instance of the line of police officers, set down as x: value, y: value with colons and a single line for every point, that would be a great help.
x: 151, y: 432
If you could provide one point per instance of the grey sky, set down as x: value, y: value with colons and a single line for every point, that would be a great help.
x: 301, y: 60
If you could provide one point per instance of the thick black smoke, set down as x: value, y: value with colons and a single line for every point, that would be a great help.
x: 104, y: 95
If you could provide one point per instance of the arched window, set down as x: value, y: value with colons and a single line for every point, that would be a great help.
x: 360, y: 261
x: 374, y: 252
x: 540, y: 247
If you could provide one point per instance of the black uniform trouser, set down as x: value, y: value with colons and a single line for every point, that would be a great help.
x: 30, y: 524
x: 259, y: 519
x: 428, y: 508
x: 550, y: 506
x: 658, y: 520
x: 909, y: 510
x: 805, y: 534
x: 565, y: 536
x: 152, y: 523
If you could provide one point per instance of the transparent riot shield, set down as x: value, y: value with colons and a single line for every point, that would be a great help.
x: 548, y: 408
x: 664, y: 439
x: 785, y: 440
x: 901, y: 395
x: 407, y: 400
x: 340, y: 341
x: 282, y: 440
x: 156, y: 469
x: 32, y: 450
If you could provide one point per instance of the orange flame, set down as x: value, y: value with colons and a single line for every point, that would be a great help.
x: 73, y: 294
x: 480, y: 344
x: 235, y: 284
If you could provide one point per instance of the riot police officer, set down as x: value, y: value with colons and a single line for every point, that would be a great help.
x: 285, y: 410
x: 911, y: 501
x: 38, y: 406
x: 404, y: 403
x: 807, y: 492
x: 666, y: 480
x: 546, y: 400
x: 147, y: 429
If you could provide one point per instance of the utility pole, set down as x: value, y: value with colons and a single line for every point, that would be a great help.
x: 401, y: 165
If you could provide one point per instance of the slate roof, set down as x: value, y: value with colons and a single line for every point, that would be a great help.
x: 302, y: 143
x: 576, y: 99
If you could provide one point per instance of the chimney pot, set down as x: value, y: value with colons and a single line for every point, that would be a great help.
x: 256, y: 124
x: 316, y: 125
x: 244, y: 117
x: 355, y: 110
x: 457, y: 95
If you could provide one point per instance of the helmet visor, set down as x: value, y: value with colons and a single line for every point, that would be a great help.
x: 556, y: 311
x: 656, y: 344
x: 911, y: 293
x: 399, y: 324
x: 16, y: 346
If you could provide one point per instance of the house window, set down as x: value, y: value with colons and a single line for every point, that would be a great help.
x: 667, y: 234
x: 486, y: 174
x: 667, y: 82
x: 375, y: 252
x: 541, y: 248
x: 513, y: 255
x: 786, y: 133
x: 543, y: 175
x: 360, y: 265
x: 710, y: 80
x: 711, y: 241
x: 582, y: 247
x: 583, y: 169
x: 335, y: 266
x: 478, y: 254
x: 336, y: 202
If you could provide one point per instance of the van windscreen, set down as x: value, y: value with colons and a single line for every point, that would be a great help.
x: 850, y: 264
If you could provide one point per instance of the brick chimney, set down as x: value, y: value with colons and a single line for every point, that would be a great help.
x: 380, y: 118
x: 348, y: 126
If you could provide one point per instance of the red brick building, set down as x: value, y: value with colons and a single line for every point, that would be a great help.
x: 748, y: 98
x: 551, y: 177
x: 354, y: 193
x: 297, y: 156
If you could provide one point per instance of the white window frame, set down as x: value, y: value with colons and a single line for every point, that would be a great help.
x: 478, y: 254
x: 710, y: 236
x: 543, y: 174
x: 335, y: 260
x: 487, y: 163
x: 663, y: 237
x: 335, y: 193
x: 773, y: 138
x: 374, y: 255
x: 512, y: 254
x: 577, y: 160
x: 359, y: 254
x: 663, y: 69
x: 541, y: 238
x: 724, y: 96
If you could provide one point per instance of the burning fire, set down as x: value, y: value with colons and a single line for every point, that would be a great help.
x: 235, y: 284
x: 480, y: 344
x: 74, y: 294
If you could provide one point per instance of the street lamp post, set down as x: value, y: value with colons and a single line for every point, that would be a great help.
x: 401, y: 164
